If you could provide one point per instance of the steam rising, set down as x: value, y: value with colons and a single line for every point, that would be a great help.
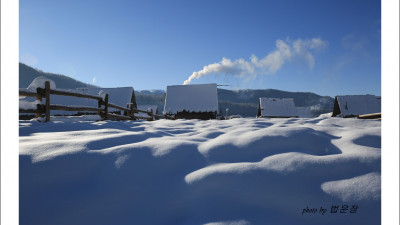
x: 285, y: 51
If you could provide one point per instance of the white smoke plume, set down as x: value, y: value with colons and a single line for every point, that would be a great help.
x: 285, y: 51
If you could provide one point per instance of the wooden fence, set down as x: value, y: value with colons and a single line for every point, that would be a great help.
x: 129, y: 113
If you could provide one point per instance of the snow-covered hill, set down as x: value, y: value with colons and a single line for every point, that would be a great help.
x: 241, y: 171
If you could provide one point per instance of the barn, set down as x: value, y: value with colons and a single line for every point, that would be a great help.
x: 354, y: 105
x: 195, y: 101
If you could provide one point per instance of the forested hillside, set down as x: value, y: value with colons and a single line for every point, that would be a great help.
x: 27, y: 74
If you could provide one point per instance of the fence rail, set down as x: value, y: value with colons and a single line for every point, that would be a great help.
x: 27, y: 93
x: 74, y: 108
x: 370, y: 116
x: 118, y: 107
x: 129, y: 113
x: 73, y: 94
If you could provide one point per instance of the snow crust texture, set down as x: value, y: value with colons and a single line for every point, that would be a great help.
x: 241, y: 171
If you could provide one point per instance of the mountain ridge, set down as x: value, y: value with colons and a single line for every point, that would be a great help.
x: 27, y: 74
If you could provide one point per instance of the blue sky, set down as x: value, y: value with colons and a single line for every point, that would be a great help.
x: 326, y: 47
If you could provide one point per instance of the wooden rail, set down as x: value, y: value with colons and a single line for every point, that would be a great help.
x: 370, y: 116
x: 27, y: 93
x: 119, y: 117
x: 73, y: 94
x: 28, y: 110
x: 129, y: 113
x: 74, y: 108
x: 111, y: 105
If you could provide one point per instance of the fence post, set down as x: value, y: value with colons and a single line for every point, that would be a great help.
x: 151, y: 114
x: 106, y: 107
x: 99, y: 106
x: 47, y: 91
x: 126, y: 113
x: 39, y: 97
x: 132, y: 111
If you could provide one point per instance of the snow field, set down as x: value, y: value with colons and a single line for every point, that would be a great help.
x: 239, y: 171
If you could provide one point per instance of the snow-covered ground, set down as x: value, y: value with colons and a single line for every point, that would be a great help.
x: 240, y: 171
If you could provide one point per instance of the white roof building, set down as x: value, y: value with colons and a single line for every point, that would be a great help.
x: 191, y: 98
x: 277, y: 107
x: 281, y: 107
x: 353, y: 105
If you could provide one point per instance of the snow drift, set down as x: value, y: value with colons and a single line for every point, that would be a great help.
x: 241, y: 171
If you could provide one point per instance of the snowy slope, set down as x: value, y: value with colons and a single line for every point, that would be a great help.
x: 241, y: 171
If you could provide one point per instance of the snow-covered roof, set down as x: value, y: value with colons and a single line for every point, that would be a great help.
x: 283, y: 107
x: 304, y: 112
x: 278, y: 107
x: 192, y: 98
x: 352, y: 105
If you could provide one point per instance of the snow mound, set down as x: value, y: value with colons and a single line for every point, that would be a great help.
x: 241, y: 171
x: 355, y: 189
x: 39, y: 82
x: 28, y: 105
